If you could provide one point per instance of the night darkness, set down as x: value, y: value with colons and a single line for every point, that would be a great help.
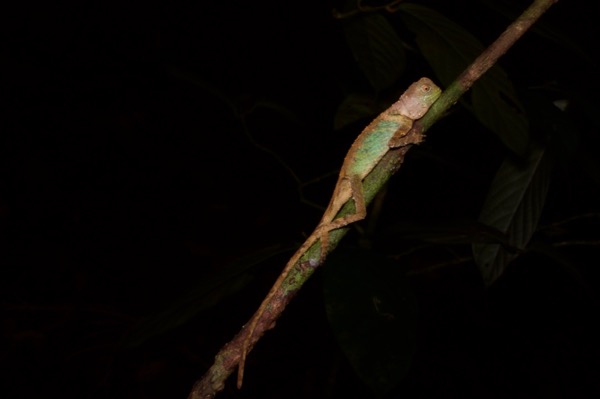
x: 148, y: 200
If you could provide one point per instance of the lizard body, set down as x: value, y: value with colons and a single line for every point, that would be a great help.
x: 368, y: 149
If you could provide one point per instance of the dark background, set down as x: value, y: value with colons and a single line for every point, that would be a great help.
x: 133, y: 171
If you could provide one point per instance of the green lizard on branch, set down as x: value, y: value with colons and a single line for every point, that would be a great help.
x: 387, y: 131
x: 234, y: 353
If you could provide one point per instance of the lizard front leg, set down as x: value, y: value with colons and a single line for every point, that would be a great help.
x: 402, y: 137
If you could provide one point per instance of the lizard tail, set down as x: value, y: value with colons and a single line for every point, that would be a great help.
x: 263, y: 306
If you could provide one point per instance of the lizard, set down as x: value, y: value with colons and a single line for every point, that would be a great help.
x: 385, y: 132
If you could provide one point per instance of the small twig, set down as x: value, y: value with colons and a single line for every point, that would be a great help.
x: 391, y: 7
x: 589, y: 243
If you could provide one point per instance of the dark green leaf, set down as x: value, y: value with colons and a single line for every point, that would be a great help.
x: 449, y: 49
x: 513, y: 206
x: 373, y: 316
x: 355, y: 107
x: 555, y: 125
x: 376, y: 48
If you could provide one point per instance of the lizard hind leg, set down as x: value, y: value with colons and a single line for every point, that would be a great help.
x: 360, y: 212
x: 323, y: 234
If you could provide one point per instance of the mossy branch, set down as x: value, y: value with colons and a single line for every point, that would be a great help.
x: 229, y: 356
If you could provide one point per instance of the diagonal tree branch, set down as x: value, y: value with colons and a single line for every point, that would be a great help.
x: 229, y: 356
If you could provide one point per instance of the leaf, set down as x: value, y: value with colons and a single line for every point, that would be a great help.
x: 377, y: 49
x: 513, y: 205
x: 560, y: 132
x: 449, y: 49
x: 373, y: 316
x: 354, y: 108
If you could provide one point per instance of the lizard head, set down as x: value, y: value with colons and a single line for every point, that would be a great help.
x: 417, y: 99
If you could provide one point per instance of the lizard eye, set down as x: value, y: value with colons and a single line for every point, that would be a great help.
x: 425, y: 88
